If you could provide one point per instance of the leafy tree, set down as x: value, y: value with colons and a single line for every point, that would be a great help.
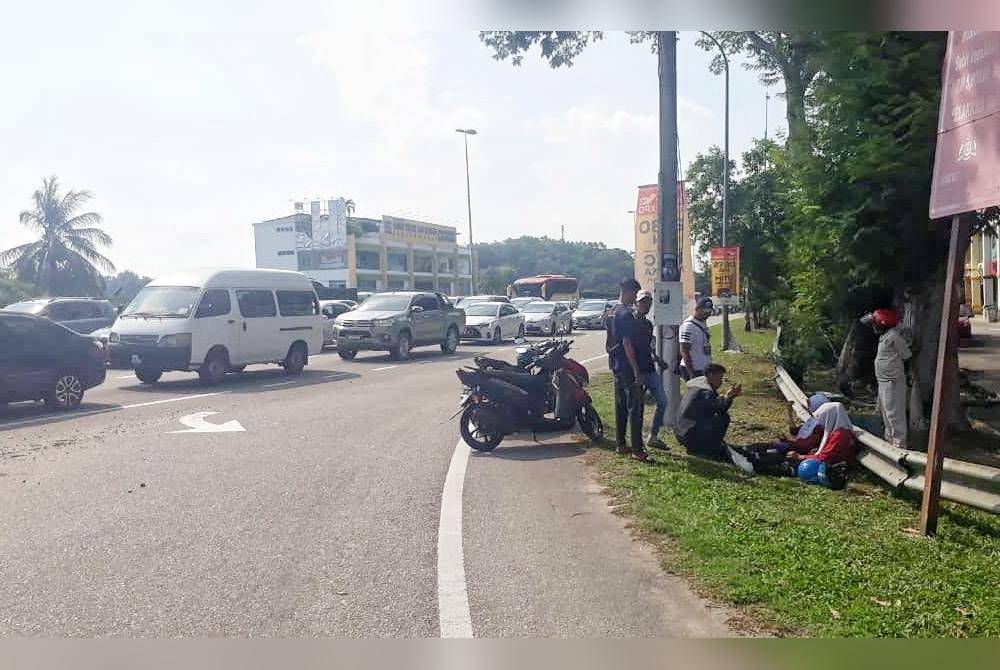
x: 349, y: 206
x: 558, y: 47
x: 13, y: 290
x: 124, y: 286
x: 598, y: 268
x: 65, y: 258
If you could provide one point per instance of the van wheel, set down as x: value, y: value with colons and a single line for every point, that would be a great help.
x: 347, y: 354
x: 66, y: 392
x: 401, y: 351
x: 450, y: 344
x: 295, y: 361
x: 213, y: 370
x: 148, y: 375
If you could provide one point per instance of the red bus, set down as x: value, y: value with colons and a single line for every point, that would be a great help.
x: 546, y: 287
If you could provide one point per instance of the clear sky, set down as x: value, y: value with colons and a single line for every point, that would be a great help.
x: 188, y: 123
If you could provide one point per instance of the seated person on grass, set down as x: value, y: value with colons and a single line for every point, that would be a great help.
x: 827, y: 465
x: 704, y: 415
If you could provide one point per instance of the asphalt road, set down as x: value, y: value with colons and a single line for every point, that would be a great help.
x: 321, y: 517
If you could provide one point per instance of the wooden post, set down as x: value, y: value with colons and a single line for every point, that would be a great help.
x: 946, y: 360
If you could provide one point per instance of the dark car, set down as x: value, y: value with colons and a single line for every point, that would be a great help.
x: 84, y: 315
x: 42, y: 360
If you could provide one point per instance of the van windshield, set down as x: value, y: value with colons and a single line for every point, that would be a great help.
x: 163, y: 301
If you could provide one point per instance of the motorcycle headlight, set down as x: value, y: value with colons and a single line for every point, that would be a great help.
x: 176, y: 340
x: 383, y: 323
x: 113, y: 338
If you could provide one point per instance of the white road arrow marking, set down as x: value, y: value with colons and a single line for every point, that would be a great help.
x: 196, y: 423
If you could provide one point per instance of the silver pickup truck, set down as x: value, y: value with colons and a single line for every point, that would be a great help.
x: 398, y: 321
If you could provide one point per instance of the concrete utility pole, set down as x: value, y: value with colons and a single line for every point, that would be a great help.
x: 727, y: 333
x: 468, y: 200
x: 666, y: 43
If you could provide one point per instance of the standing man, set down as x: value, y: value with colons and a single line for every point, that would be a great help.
x: 696, y: 342
x: 650, y: 365
x: 890, y: 373
x: 623, y: 334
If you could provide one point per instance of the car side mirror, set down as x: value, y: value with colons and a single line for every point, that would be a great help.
x: 416, y: 309
x: 520, y: 340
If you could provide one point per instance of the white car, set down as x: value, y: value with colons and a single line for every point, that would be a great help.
x: 547, y: 318
x: 493, y: 321
x: 521, y: 302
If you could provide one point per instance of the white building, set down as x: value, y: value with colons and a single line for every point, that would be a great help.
x: 390, y: 253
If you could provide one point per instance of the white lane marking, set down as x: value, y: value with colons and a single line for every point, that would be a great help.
x: 196, y: 423
x: 126, y: 377
x: 454, y: 619
x: 269, y: 386
x: 595, y: 358
x: 103, y: 410
x: 161, y: 402
x: 388, y: 367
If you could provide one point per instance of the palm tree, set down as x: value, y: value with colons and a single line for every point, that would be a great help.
x: 65, y: 256
x: 349, y: 205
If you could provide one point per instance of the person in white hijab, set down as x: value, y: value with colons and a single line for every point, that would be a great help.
x: 808, y: 435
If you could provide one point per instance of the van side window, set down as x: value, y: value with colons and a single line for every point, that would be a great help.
x: 214, y: 303
x: 255, y: 304
x: 297, y: 303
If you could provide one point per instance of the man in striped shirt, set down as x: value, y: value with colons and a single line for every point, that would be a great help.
x: 696, y: 342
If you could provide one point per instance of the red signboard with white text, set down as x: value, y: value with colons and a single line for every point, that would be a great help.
x: 967, y: 160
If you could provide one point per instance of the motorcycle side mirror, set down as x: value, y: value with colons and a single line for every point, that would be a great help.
x: 520, y: 340
x: 416, y: 309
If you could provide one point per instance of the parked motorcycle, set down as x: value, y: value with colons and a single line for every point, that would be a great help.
x: 497, y: 403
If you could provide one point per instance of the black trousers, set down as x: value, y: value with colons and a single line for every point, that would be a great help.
x: 706, y: 439
x: 628, y: 412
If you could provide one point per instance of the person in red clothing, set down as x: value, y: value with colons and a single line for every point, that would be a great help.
x: 806, y: 438
x: 828, y: 464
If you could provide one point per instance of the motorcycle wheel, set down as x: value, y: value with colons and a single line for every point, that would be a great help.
x: 590, y: 423
x: 473, y: 435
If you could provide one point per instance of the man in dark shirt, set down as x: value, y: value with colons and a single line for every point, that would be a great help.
x: 623, y: 340
x: 704, y: 415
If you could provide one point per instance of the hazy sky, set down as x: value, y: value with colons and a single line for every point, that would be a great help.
x: 189, y: 123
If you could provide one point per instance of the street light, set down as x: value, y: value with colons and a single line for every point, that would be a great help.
x: 727, y: 335
x: 468, y: 200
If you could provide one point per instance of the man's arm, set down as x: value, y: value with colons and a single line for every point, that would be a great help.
x: 630, y: 355
x: 686, y: 356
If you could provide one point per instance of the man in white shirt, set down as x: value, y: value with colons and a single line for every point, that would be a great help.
x: 696, y: 342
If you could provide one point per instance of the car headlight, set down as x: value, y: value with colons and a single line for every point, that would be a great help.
x: 383, y: 323
x: 113, y: 338
x: 176, y: 340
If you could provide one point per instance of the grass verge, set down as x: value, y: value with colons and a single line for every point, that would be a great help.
x: 800, y: 559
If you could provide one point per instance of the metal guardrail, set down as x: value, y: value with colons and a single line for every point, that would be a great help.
x: 965, y: 483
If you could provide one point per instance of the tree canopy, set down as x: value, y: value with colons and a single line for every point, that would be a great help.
x: 66, y: 258
x: 598, y: 268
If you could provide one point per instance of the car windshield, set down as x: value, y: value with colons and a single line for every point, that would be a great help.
x: 385, y: 303
x: 472, y: 300
x: 25, y: 307
x: 481, y: 309
x: 537, y: 308
x: 592, y: 306
x: 163, y: 301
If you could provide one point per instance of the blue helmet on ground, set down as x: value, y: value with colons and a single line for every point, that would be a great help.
x: 809, y: 470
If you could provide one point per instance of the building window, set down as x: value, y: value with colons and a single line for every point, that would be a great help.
x: 463, y: 265
x: 397, y: 262
x: 284, y: 229
x: 396, y: 284
x: 424, y: 284
x: 367, y: 285
x: 369, y: 260
x: 446, y: 264
x: 286, y: 253
x: 337, y: 284
x: 423, y: 263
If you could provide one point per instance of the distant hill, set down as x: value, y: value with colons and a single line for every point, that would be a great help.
x: 596, y: 266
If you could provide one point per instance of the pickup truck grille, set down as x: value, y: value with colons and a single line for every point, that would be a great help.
x: 357, y: 323
x: 139, y: 339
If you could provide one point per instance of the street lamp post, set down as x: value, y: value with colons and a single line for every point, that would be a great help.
x: 468, y: 201
x: 727, y: 333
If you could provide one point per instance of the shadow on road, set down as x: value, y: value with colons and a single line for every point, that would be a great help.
x: 252, y: 381
x: 534, y: 451
x: 13, y: 415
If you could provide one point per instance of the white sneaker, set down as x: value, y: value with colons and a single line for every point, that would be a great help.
x: 740, y: 461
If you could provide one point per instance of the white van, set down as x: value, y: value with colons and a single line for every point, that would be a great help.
x: 218, y: 321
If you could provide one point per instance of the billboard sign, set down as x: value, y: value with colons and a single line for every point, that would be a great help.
x: 725, y: 263
x: 967, y: 160
x: 647, y: 239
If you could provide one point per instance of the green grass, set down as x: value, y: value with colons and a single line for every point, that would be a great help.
x: 803, y: 560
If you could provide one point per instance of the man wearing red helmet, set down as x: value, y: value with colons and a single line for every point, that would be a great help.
x: 890, y: 372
